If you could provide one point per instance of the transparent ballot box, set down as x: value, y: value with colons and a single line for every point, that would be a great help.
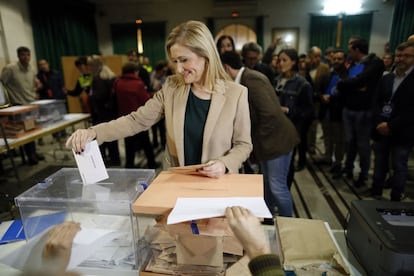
x: 18, y: 120
x: 50, y: 111
x: 104, y: 211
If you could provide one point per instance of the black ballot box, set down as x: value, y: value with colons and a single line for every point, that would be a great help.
x: 380, y: 235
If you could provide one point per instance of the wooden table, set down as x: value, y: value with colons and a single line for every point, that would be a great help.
x: 69, y: 120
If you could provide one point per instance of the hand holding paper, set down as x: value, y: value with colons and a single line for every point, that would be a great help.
x: 248, y: 231
x: 213, y: 169
x: 192, y: 169
x: 90, y: 164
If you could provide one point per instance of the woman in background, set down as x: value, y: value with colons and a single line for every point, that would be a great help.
x: 103, y: 105
x: 206, y: 114
x: 225, y: 43
x: 295, y: 95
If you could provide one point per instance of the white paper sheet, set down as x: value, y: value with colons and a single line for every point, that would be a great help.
x: 90, y: 164
x: 187, y: 209
x: 86, y: 242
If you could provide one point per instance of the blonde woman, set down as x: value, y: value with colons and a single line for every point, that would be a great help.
x: 206, y: 114
x: 103, y: 105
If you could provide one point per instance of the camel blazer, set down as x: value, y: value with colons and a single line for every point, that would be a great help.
x: 226, y: 132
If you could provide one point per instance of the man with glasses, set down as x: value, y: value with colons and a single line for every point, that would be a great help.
x: 394, y: 124
x: 357, y: 92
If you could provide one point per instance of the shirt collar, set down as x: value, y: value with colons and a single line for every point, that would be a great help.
x: 404, y: 74
x: 239, y: 74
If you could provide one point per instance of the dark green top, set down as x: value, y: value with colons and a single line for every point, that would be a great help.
x: 195, y: 118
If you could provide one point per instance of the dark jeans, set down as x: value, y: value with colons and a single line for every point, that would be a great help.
x: 357, y: 126
x: 276, y: 191
x: 302, y: 128
x: 384, y: 150
x: 136, y: 142
x: 30, y: 150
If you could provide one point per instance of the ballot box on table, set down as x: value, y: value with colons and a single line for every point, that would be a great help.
x: 104, y: 211
x: 50, y: 111
x: 176, y: 248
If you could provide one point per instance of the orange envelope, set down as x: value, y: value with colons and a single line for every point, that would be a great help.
x: 199, y: 250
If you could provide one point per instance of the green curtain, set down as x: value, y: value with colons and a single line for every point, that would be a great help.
x: 322, y: 31
x: 359, y: 25
x: 211, y: 26
x: 65, y: 28
x: 402, y: 22
x: 260, y: 31
x: 124, y: 37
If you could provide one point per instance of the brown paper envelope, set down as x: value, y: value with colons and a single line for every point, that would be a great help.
x: 305, y: 242
x: 211, y: 227
x: 199, y: 250
x: 232, y: 245
x: 192, y: 169
x: 240, y: 268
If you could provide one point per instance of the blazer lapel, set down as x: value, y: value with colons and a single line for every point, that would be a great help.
x: 217, y: 102
x: 179, y: 106
x: 403, y: 84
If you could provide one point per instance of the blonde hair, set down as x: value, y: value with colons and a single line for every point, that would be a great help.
x: 196, y: 36
x: 98, y: 68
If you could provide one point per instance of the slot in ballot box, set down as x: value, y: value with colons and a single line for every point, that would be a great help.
x: 103, y: 209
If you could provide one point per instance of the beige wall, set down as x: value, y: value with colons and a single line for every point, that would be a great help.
x: 15, y: 28
x: 277, y: 13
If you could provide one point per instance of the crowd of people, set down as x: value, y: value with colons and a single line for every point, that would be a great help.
x: 360, y: 100
x: 228, y: 109
x: 343, y: 89
x: 95, y: 89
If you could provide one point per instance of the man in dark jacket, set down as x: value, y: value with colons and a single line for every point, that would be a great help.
x: 357, y: 93
x: 273, y: 135
x: 52, y: 85
x: 394, y: 123
x: 330, y: 114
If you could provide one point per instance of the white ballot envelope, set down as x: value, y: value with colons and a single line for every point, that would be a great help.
x: 90, y: 164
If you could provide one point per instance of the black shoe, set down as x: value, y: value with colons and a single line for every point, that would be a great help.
x: 388, y: 183
x: 337, y: 175
x: 397, y: 197
x: 323, y: 161
x: 268, y: 221
x: 32, y: 160
x: 349, y: 175
x: 360, y: 182
x: 299, y: 168
x: 335, y: 169
x: 40, y: 157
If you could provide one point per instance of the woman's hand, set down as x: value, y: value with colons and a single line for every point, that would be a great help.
x: 214, y: 169
x: 80, y: 138
x: 248, y: 231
